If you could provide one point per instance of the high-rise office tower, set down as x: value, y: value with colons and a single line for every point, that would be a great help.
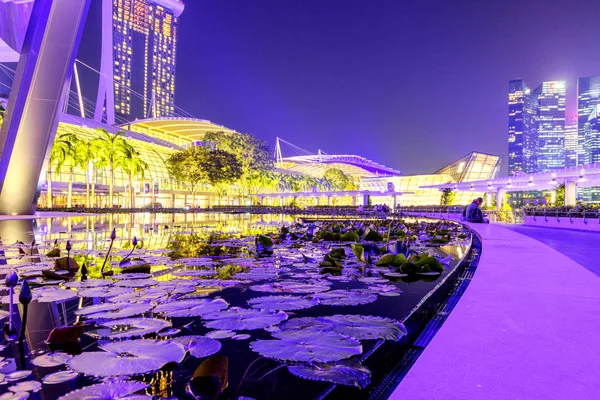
x: 536, y: 127
x: 588, y: 97
x: 571, y: 144
x: 522, y: 133
x: 517, y: 91
x: 550, y: 120
x: 138, y: 51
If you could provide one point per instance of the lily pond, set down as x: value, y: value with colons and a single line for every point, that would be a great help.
x: 216, y: 306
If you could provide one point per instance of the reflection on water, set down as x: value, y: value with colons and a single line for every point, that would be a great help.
x: 193, y: 256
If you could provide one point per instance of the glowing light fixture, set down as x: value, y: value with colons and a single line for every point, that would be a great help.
x: 553, y: 181
x: 509, y: 184
x: 472, y: 187
x: 531, y: 182
x: 582, y: 177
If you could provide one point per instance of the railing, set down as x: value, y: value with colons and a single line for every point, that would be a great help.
x: 455, y: 213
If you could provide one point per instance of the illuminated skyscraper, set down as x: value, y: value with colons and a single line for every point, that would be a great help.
x: 522, y: 137
x: 550, y: 120
x: 588, y: 97
x: 143, y: 37
x: 571, y: 144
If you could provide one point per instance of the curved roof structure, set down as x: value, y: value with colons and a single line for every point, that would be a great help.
x: 355, y: 166
x: 177, y: 130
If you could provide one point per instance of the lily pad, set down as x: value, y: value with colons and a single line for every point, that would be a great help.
x: 129, y: 327
x: 191, y: 308
x: 112, y: 390
x: 243, y: 319
x: 59, y: 377
x: 282, y: 303
x: 130, y: 357
x: 347, y: 372
x: 198, y: 346
x: 307, y: 346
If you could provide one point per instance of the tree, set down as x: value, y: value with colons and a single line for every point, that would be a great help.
x: 133, y: 165
x: 66, y: 155
x: 58, y: 155
x: 221, y: 167
x: 448, y: 197
x: 186, y: 167
x: 197, y: 165
x: 252, y: 153
x: 2, y: 112
x: 88, y: 156
x: 339, y: 180
x: 560, y: 196
x: 112, y: 146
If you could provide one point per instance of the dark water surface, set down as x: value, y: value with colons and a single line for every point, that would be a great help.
x: 250, y: 375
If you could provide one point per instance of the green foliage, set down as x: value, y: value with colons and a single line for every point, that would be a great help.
x: 228, y: 271
x: 431, y: 264
x: 265, y: 240
x: 359, y: 252
x: 350, y: 236
x: 448, y: 197
x: 251, y: 153
x: 387, y: 259
x: 339, y: 180
x: 560, y: 196
x: 199, y: 165
x: 373, y: 236
x: 53, y: 253
x: 399, y: 259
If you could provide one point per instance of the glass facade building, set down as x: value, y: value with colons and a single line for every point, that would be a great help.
x: 571, y: 145
x: 144, y: 50
x: 474, y: 166
x: 588, y: 97
x: 522, y: 128
x: 550, y: 126
x: 536, y: 127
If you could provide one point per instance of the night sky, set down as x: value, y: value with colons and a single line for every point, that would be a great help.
x: 410, y: 84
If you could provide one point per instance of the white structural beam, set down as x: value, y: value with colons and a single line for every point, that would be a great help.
x: 581, y: 176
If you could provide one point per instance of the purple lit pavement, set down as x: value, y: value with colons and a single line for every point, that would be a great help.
x: 527, y: 327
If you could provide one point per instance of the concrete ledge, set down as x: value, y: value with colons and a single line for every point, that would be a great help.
x: 584, y: 224
x: 526, y: 328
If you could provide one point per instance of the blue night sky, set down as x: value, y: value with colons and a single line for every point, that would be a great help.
x: 410, y: 84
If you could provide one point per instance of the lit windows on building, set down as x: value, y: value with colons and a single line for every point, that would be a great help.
x: 571, y: 144
x: 145, y: 39
x: 536, y: 127
x: 550, y: 119
x: 588, y: 97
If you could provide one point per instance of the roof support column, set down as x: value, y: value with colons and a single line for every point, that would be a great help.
x: 570, y: 193
x: 35, y: 103
x: 500, y: 198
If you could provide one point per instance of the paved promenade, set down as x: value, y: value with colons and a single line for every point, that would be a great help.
x: 528, y: 327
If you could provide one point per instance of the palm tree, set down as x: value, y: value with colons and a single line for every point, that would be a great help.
x: 133, y: 165
x: 2, y: 112
x: 58, y: 154
x: 112, y: 147
x: 87, y: 151
x: 66, y: 155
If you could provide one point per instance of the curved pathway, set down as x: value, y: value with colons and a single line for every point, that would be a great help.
x: 527, y: 327
x: 580, y: 246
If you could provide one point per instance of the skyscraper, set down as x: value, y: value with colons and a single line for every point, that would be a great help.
x: 550, y: 120
x: 571, y: 144
x: 517, y: 91
x: 536, y: 127
x: 588, y: 97
x: 143, y: 37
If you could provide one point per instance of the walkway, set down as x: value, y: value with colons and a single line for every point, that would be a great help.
x: 526, y: 328
x: 580, y: 246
